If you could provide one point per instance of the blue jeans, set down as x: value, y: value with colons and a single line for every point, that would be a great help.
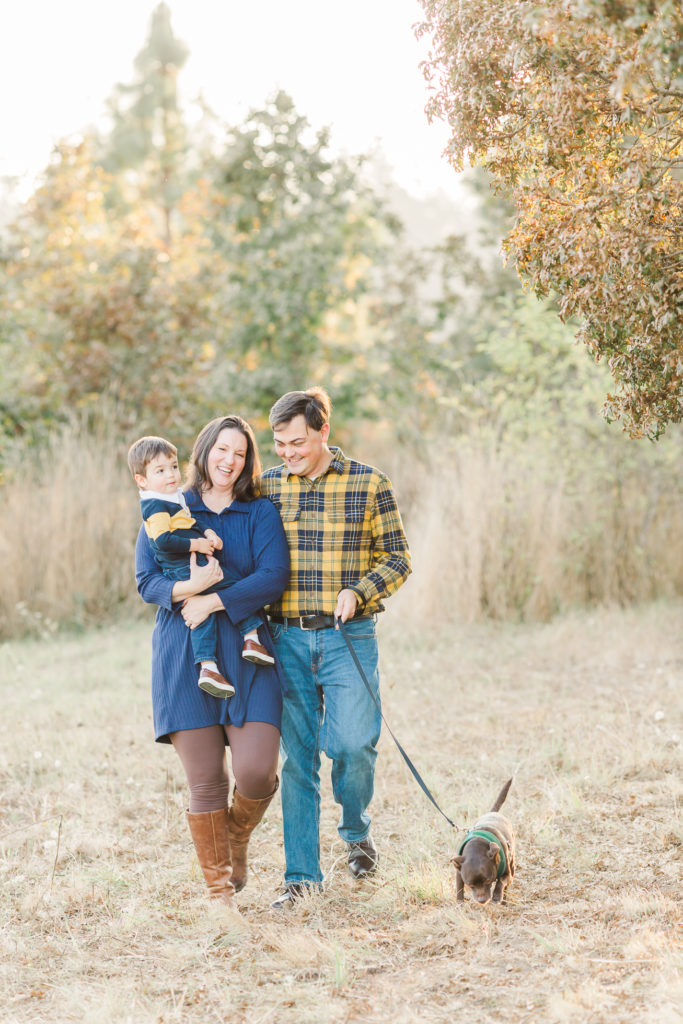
x: 327, y: 708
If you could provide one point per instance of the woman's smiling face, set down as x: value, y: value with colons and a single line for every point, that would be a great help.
x: 226, y: 459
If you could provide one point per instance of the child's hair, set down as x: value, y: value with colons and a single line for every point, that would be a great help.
x: 141, y: 453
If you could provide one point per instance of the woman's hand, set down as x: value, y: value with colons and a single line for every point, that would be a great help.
x: 198, y: 608
x: 201, y: 577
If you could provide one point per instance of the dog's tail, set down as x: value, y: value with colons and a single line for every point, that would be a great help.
x: 500, y: 799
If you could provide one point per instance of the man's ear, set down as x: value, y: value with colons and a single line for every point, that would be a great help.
x: 325, y: 432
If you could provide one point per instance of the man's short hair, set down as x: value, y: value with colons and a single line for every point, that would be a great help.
x: 141, y: 453
x: 313, y: 404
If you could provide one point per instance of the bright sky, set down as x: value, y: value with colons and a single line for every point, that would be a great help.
x: 353, y: 66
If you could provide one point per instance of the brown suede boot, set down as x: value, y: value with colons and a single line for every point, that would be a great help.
x: 243, y: 817
x: 209, y: 832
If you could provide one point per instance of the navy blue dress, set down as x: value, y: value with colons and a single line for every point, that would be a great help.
x: 255, y: 553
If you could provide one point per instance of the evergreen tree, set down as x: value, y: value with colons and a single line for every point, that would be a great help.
x: 148, y: 134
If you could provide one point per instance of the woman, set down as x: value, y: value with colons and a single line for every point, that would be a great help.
x: 221, y: 494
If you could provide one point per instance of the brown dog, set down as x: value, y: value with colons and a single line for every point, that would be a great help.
x: 486, y: 858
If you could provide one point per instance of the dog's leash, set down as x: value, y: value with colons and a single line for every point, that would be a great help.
x: 418, y: 778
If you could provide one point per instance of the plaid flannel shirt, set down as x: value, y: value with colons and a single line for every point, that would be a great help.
x: 344, y: 531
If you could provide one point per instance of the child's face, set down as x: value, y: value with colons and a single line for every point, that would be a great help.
x: 162, y: 474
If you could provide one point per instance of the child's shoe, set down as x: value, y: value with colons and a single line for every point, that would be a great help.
x: 257, y: 653
x: 214, y: 683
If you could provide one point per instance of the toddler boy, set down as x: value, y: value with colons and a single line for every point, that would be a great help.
x: 173, y: 534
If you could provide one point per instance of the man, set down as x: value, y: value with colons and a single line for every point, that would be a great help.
x: 348, y: 551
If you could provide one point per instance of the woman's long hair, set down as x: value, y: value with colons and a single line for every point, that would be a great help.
x: 197, y: 477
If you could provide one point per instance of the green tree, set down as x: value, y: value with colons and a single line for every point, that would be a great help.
x: 93, y: 306
x: 148, y: 134
x: 575, y: 107
x: 300, y: 233
x: 538, y: 383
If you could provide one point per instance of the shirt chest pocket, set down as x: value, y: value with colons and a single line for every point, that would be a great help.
x: 349, y: 515
x: 289, y: 512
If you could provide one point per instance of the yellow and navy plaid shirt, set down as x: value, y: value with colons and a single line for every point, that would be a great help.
x: 344, y: 530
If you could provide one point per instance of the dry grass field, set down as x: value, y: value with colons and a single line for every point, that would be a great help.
x: 103, y: 914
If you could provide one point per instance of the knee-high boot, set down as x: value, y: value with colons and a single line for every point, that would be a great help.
x: 209, y: 831
x: 243, y: 817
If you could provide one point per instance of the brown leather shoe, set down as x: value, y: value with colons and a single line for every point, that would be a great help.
x: 363, y: 858
x: 243, y: 817
x: 215, y: 684
x: 257, y: 653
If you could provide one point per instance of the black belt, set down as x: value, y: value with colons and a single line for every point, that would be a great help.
x: 306, y: 621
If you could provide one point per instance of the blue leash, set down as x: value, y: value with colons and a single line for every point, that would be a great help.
x: 418, y: 778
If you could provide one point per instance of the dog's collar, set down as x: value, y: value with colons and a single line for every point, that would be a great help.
x: 492, y: 838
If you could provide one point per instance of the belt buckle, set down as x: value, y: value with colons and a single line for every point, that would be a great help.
x: 302, y: 618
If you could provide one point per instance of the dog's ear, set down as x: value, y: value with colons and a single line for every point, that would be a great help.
x: 493, y: 852
x: 457, y: 861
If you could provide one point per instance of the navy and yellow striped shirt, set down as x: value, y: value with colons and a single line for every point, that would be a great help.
x: 344, y: 531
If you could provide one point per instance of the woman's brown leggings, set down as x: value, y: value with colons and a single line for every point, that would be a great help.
x: 254, y: 748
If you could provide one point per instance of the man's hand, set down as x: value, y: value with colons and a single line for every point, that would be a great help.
x: 214, y: 538
x: 347, y: 602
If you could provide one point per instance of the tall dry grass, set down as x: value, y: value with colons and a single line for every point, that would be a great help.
x: 68, y: 521
x: 509, y: 533
x: 496, y: 530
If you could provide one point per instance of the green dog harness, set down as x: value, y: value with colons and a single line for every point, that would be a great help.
x: 483, y: 834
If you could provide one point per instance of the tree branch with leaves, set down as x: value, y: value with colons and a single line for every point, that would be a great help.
x: 574, y: 107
